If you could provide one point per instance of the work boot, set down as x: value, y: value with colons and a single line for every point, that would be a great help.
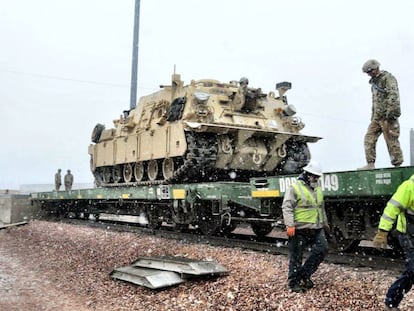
x: 297, y: 288
x: 369, y: 166
x: 307, y: 283
x: 387, y: 308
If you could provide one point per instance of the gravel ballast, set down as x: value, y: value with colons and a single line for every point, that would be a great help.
x: 57, y: 266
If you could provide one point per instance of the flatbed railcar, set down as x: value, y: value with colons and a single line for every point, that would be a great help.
x: 354, y: 201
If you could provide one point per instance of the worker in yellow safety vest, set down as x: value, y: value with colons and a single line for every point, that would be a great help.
x: 400, y: 211
x: 305, y: 220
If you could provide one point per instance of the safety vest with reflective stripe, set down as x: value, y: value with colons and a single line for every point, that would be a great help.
x: 309, y: 206
x: 400, y: 204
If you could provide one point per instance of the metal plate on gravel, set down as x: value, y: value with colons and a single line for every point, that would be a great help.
x: 185, y: 266
x: 151, y: 278
x: 165, y: 271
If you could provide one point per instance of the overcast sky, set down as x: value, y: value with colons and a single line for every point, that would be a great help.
x: 66, y: 65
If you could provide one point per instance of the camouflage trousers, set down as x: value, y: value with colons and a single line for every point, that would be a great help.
x: 391, y: 131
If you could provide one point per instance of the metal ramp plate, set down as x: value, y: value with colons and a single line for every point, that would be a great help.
x: 185, y: 266
x: 150, y: 278
x: 165, y: 271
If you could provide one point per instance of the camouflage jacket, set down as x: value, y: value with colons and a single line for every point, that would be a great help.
x: 58, y: 179
x: 385, y: 97
x: 68, y: 179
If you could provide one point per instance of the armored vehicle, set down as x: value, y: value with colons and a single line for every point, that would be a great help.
x: 204, y: 131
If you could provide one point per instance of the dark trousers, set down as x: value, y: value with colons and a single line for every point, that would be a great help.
x: 404, y: 283
x: 301, y: 241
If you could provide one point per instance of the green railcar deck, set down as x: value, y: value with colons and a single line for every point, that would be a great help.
x: 344, y: 184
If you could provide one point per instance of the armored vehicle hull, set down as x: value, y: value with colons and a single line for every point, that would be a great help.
x: 204, y: 131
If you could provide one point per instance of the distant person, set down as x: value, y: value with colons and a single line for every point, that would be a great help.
x: 306, y: 222
x: 68, y: 180
x: 58, y: 180
x: 400, y: 211
x: 240, y: 97
x: 385, y: 113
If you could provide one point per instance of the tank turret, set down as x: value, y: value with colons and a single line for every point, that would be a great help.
x: 204, y: 131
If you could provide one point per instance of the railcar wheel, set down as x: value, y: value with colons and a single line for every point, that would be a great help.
x: 181, y: 227
x: 208, y: 227
x: 127, y: 172
x: 154, y: 222
x: 152, y: 170
x: 226, y: 229
x: 106, y: 175
x: 339, y: 242
x: 138, y: 171
x: 117, y: 173
x: 168, y: 168
x: 261, y: 229
x: 207, y: 223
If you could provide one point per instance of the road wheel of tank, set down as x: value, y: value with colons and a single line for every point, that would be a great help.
x: 261, y: 229
x: 152, y: 170
x: 138, y: 171
x: 339, y: 242
x: 106, y: 175
x: 98, y: 178
x: 117, y: 173
x: 128, y: 172
x: 97, y: 173
x: 168, y: 168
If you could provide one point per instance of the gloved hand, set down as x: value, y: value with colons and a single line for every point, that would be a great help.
x: 290, y: 231
x: 327, y: 229
x: 380, y: 239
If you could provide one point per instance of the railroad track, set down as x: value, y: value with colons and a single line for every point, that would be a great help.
x: 362, y: 257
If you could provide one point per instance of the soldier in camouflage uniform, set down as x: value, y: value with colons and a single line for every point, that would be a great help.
x: 240, y: 97
x: 385, y: 113
x: 58, y: 180
x: 68, y: 181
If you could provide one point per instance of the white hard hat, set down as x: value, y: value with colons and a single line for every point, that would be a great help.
x: 314, y: 168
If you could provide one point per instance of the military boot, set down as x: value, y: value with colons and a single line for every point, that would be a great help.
x: 369, y: 166
x: 307, y: 283
x: 297, y: 288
